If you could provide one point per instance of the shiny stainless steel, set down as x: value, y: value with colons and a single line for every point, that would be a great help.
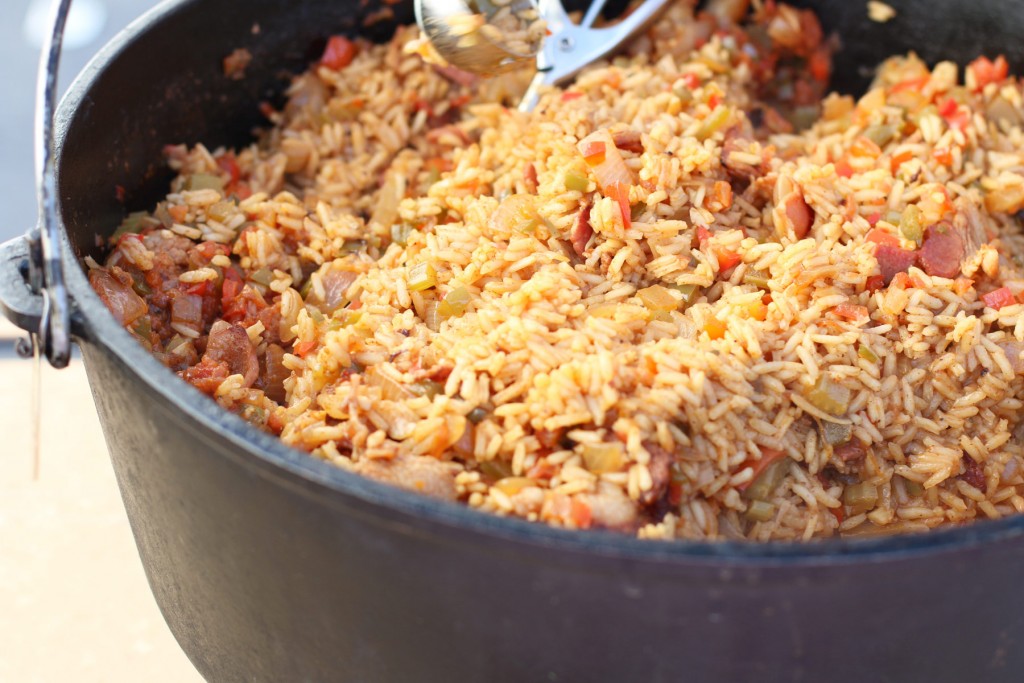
x: 570, y: 47
x: 46, y: 270
x: 486, y: 57
x: 567, y: 49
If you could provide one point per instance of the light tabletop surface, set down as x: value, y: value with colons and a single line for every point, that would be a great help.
x: 74, y: 602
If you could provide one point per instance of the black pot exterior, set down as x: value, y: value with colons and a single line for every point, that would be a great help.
x: 264, y: 575
x: 272, y: 566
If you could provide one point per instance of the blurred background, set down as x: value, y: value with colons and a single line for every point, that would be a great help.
x: 23, y: 23
x: 74, y: 602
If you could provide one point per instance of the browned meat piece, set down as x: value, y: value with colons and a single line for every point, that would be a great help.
x: 207, y: 375
x: 974, y: 473
x: 943, y: 251
x: 581, y: 230
x: 628, y: 141
x: 229, y: 344
x: 413, y: 472
x: 660, y: 468
x: 892, y: 260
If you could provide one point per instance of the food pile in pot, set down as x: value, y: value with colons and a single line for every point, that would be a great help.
x: 689, y: 296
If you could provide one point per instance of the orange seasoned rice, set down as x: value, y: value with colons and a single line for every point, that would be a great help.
x: 655, y: 304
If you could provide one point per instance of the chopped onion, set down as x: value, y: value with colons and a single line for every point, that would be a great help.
x: 120, y: 299
x: 658, y: 298
x: 390, y: 389
x: 609, y: 168
x: 760, y: 511
x: 422, y: 276
x: 454, y: 303
x: 860, y: 497
x: 603, y: 457
x: 517, y: 213
x: 829, y: 396
x: 386, y: 211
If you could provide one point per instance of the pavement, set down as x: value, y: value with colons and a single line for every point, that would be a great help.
x: 74, y: 602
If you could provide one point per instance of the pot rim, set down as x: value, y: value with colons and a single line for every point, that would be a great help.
x: 259, y: 450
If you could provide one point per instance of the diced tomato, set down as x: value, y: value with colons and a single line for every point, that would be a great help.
x: 820, y: 65
x: 902, y: 280
x: 757, y: 310
x: 240, y: 189
x: 843, y: 168
x: 714, y: 100
x: 580, y: 513
x: 570, y: 95
x: 593, y: 152
x: 303, y: 348
x: 900, y: 159
x: 914, y: 84
x: 339, y: 53
x: 620, y: 193
x: 947, y: 108
x: 727, y: 259
x: 998, y: 298
x: 874, y: 218
x: 849, y: 311
x: 231, y: 287
x: 228, y: 164
x: 880, y: 237
x: 953, y: 114
x: 703, y: 235
x: 962, y: 285
x: 715, y: 328
x: 691, y: 81
x: 986, y: 71
x: 838, y: 513
x: 199, y: 288
x: 461, y: 101
x: 943, y: 156
x: 768, y: 457
x: 864, y: 147
x: 178, y: 213
x: 874, y: 283
x: 542, y: 470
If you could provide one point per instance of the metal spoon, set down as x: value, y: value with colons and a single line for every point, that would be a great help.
x: 567, y: 49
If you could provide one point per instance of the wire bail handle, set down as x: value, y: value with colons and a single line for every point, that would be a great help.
x: 46, y: 272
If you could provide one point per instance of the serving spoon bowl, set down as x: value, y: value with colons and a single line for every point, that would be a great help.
x: 459, y: 32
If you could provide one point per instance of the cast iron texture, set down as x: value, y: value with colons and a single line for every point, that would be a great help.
x: 271, y: 566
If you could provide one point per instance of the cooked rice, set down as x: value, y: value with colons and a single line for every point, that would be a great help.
x: 426, y: 308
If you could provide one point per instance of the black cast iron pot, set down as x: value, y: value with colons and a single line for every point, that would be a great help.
x: 272, y: 566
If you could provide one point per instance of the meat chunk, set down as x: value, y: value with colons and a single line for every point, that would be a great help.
x: 660, y: 468
x: 943, y: 251
x: 581, y: 230
x: 115, y: 290
x: 229, y: 344
x: 418, y: 473
x: 892, y: 260
x: 611, y: 508
x: 974, y: 473
x: 628, y: 141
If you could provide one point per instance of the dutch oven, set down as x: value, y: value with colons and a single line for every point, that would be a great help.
x: 270, y: 565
